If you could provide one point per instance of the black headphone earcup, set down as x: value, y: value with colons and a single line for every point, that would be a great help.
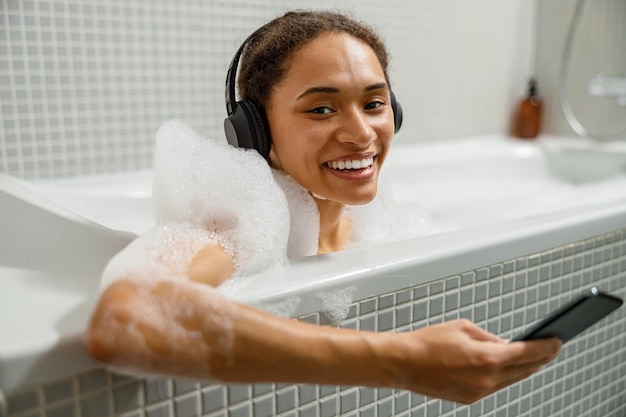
x: 247, y: 127
x: 397, y: 112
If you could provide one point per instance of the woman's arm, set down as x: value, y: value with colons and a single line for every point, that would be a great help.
x: 182, y: 328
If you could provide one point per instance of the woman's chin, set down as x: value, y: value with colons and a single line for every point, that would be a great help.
x: 361, y: 201
x: 357, y: 199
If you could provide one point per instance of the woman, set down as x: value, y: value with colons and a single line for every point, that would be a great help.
x: 320, y: 80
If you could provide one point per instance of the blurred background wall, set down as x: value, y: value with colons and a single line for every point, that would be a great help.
x: 84, y: 84
x: 598, y: 47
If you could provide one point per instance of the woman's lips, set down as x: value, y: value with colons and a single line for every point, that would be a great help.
x: 353, y: 169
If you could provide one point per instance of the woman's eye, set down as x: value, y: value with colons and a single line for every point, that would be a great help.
x: 374, y: 105
x: 321, y: 110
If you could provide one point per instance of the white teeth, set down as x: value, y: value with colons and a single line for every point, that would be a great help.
x: 352, y: 164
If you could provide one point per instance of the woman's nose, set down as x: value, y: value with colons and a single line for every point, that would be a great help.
x: 355, y: 128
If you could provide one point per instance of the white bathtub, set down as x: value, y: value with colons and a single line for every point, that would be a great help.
x: 498, y: 197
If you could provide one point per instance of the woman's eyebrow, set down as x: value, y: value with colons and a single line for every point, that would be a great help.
x: 314, y: 90
x: 376, y: 86
x: 331, y: 90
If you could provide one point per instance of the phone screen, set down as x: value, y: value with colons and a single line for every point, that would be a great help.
x: 573, y: 318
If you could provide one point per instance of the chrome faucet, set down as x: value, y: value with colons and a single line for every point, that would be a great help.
x: 603, y: 86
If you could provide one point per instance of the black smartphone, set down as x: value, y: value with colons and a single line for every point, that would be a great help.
x: 573, y: 318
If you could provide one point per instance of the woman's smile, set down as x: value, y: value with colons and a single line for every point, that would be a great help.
x: 354, y: 167
x: 331, y: 120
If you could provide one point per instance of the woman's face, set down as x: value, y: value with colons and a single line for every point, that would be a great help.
x: 331, y: 119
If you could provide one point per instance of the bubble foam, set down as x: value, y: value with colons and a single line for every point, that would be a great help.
x: 285, y: 308
x: 336, y: 303
x: 394, y: 220
x: 305, y: 218
x: 163, y: 252
x: 228, y: 191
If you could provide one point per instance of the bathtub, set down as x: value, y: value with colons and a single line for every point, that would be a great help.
x: 505, y: 207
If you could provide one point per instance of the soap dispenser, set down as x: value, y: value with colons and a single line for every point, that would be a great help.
x: 527, y: 121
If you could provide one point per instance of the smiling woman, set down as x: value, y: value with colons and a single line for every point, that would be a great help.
x: 332, y: 109
x: 314, y: 86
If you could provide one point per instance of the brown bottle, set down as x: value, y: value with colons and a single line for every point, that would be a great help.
x: 527, y: 122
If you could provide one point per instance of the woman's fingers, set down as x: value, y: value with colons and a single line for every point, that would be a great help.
x: 479, y: 334
x: 461, y: 362
x: 538, y: 351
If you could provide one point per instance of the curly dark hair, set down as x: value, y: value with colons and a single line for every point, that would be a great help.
x: 265, y: 59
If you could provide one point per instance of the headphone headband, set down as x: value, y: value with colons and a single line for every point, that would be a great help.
x: 231, y: 75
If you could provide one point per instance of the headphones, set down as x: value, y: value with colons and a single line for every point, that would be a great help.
x: 246, y: 125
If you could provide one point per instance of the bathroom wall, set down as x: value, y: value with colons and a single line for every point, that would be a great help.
x: 84, y: 84
x: 598, y: 48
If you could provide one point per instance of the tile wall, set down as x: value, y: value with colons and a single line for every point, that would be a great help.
x: 84, y: 84
x: 588, y: 379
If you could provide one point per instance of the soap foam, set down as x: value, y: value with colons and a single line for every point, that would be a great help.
x: 228, y: 191
x: 336, y: 303
x: 285, y: 308
x: 387, y: 219
x: 164, y: 251
x: 305, y: 218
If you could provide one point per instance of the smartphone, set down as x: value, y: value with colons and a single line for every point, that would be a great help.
x: 573, y: 318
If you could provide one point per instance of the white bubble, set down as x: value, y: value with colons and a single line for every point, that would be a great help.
x: 336, y: 303
x: 387, y: 218
x: 285, y: 308
x: 305, y: 218
x: 226, y: 190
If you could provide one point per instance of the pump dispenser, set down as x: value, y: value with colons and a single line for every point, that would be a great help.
x: 527, y: 122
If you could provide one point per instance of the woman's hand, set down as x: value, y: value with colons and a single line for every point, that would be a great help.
x: 461, y: 362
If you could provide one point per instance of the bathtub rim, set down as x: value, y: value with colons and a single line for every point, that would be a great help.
x: 522, y: 237
x: 329, y: 272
